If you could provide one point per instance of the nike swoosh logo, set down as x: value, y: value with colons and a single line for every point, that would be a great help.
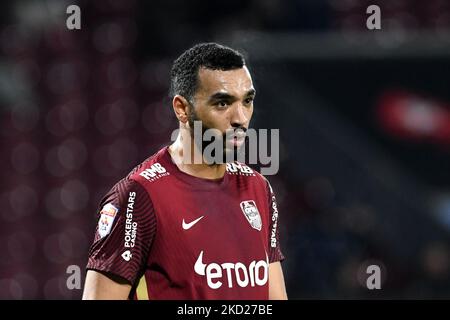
x: 187, y: 226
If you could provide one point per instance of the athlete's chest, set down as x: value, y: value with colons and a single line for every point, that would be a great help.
x: 228, y: 223
x: 211, y: 239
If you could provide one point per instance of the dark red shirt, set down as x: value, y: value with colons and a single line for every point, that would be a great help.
x: 175, y: 236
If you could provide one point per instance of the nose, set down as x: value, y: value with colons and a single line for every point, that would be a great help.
x: 239, y: 116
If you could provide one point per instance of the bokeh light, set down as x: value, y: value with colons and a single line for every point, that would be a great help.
x: 74, y: 195
x: 23, y: 200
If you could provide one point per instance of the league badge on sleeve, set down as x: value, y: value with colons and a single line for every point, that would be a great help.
x: 252, y: 214
x: 106, y: 220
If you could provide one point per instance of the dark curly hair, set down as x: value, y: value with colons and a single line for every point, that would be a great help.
x: 184, y: 73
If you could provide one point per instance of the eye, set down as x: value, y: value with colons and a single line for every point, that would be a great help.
x: 248, y: 100
x: 222, y: 104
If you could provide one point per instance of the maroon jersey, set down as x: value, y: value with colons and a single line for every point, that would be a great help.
x: 175, y: 236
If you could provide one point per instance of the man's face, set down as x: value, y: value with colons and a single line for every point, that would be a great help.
x: 224, y: 101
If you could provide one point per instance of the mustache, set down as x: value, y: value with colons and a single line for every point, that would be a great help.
x: 235, y: 131
x: 238, y: 132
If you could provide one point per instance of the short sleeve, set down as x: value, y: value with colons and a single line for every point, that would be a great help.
x: 125, y: 231
x: 275, y: 253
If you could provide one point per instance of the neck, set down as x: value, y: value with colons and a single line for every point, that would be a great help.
x: 185, y: 162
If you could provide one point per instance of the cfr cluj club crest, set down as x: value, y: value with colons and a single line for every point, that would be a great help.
x: 251, y: 212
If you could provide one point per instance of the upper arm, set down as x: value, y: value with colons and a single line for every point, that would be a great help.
x: 275, y: 253
x: 125, y: 231
x: 277, y: 288
x: 98, y: 286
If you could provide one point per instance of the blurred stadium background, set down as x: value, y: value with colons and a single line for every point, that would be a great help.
x: 364, y: 118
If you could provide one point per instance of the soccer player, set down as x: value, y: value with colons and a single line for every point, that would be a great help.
x: 174, y: 229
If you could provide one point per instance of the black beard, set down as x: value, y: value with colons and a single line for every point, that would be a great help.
x: 232, y: 152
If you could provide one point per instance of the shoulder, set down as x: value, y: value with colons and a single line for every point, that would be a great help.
x: 151, y: 169
x: 247, y: 174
